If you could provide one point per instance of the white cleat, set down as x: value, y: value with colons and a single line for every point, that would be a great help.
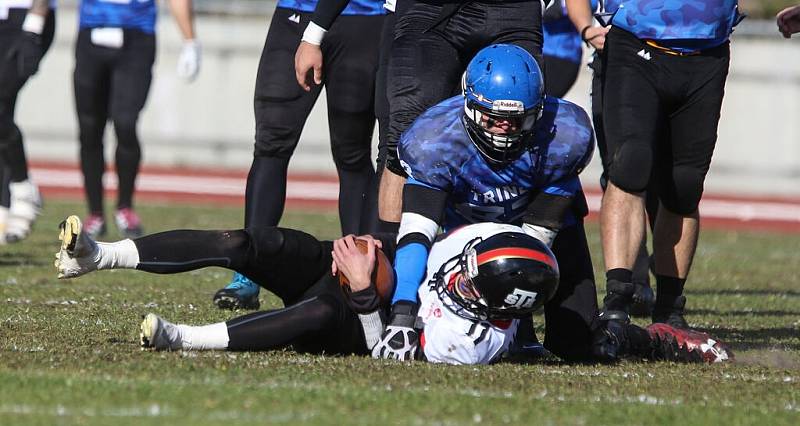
x: 160, y: 334
x: 78, y: 252
x: 26, y: 205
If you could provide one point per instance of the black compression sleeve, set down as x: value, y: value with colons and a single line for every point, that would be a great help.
x: 327, y: 11
x: 424, y: 201
x: 547, y: 210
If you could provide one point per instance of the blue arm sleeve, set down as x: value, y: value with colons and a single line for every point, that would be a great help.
x: 409, y: 262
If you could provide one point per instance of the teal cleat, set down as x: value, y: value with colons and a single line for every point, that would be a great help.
x: 241, y: 293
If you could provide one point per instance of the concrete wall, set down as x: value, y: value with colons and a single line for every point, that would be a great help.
x: 210, y: 122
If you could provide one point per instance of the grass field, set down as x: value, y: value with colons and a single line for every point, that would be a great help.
x: 69, y: 351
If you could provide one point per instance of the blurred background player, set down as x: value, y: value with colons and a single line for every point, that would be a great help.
x: 114, y: 55
x: 26, y: 32
x: 664, y: 79
x: 562, y: 51
x: 281, y: 109
x: 580, y: 12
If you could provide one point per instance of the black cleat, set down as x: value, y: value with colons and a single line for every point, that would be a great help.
x: 672, y: 314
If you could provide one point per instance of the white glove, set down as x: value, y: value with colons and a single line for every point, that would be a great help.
x: 400, y: 340
x: 189, y: 61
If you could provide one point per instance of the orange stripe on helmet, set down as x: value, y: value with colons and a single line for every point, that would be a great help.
x: 516, y: 252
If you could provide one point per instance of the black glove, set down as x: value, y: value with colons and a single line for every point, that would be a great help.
x: 400, y: 340
x: 26, y: 51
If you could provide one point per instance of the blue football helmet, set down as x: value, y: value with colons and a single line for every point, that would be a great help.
x: 503, y: 98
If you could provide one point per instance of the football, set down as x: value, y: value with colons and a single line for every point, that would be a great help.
x: 382, y: 275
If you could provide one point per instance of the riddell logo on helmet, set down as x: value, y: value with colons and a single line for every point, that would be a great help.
x: 508, y: 105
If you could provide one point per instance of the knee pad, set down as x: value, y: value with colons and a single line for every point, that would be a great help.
x: 681, y: 195
x: 630, y: 167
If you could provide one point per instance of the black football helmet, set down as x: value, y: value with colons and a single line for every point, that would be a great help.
x: 508, y: 275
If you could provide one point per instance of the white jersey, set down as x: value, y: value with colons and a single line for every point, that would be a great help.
x: 450, y: 338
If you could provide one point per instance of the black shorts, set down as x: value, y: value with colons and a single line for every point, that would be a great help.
x: 434, y: 42
x: 350, y: 51
x: 661, y: 113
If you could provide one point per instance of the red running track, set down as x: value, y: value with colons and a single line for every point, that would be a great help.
x: 202, y: 186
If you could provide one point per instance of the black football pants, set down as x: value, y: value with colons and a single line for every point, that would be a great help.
x: 13, y: 164
x: 111, y: 84
x: 292, y: 264
x: 433, y: 43
x: 350, y: 52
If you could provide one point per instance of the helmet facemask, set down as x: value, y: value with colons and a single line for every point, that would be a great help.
x: 501, y: 132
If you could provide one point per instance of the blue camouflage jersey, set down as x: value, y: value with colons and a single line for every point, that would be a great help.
x: 354, y: 7
x: 562, y: 39
x: 684, y: 25
x: 437, y: 152
x: 132, y: 14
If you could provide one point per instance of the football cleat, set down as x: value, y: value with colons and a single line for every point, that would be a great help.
x: 26, y: 205
x: 241, y: 293
x: 155, y: 332
x: 680, y: 345
x: 78, y: 250
x: 94, y: 226
x: 128, y: 223
x: 643, y: 300
x: 672, y: 314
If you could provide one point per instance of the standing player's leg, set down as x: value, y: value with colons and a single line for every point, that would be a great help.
x: 693, y: 135
x: 382, y: 114
x: 24, y: 200
x: 424, y: 68
x: 633, y: 124
x: 281, y: 109
x: 352, y: 61
x: 130, y: 83
x: 643, y: 296
x: 92, y: 80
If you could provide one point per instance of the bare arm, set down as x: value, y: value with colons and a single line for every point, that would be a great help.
x: 580, y: 13
x: 182, y: 12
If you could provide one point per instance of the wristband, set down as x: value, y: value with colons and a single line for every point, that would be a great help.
x: 583, y: 33
x: 33, y: 23
x: 314, y: 34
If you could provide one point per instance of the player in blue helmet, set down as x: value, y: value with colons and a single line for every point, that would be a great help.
x: 501, y: 152
x: 503, y: 90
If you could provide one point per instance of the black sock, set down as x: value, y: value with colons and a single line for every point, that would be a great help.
x: 354, y: 187
x: 669, y: 289
x: 619, y: 274
x: 265, y: 195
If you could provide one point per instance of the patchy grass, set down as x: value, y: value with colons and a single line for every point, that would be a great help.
x: 69, y: 351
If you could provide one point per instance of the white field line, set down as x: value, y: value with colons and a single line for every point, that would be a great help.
x: 329, y: 191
